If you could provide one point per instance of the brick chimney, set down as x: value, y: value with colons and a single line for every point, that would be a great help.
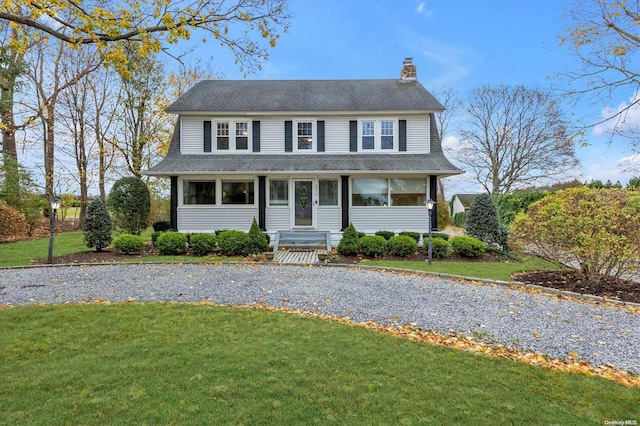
x: 408, y: 72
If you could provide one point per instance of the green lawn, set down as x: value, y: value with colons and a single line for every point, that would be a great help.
x: 486, y: 270
x: 21, y: 252
x: 188, y: 364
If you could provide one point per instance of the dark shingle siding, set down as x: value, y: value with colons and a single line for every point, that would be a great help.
x: 222, y: 96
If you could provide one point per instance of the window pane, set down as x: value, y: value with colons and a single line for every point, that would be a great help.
x: 386, y: 130
x: 222, y: 136
x: 369, y: 192
x: 408, y: 192
x: 386, y: 142
x: 237, y: 192
x: 198, y: 192
x: 279, y: 192
x: 305, y: 135
x: 367, y: 142
x: 242, y: 135
x: 368, y: 132
x: 328, y: 192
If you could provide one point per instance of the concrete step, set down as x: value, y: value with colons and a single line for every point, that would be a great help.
x: 302, y: 239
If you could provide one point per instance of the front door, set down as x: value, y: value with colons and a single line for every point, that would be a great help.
x: 303, y: 210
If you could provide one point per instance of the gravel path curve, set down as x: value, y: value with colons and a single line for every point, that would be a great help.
x: 600, y: 334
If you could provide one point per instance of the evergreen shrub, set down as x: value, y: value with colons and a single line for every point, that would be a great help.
x: 130, y: 203
x: 154, y: 237
x: 467, y: 246
x: 97, y: 226
x: 128, y: 243
x: 483, y: 223
x: 203, y: 244
x: 257, y: 242
x: 403, y: 245
x: 440, y: 247
x: 387, y: 235
x: 349, y: 244
x: 442, y: 235
x: 414, y: 235
x: 233, y: 243
x: 171, y: 243
x: 161, y: 226
x: 373, y: 245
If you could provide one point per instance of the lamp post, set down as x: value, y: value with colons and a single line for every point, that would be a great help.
x: 54, y: 205
x: 430, y: 203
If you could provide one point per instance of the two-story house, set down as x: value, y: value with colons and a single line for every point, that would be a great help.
x: 305, y: 155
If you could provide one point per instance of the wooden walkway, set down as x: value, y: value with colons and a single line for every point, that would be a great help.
x: 296, y: 257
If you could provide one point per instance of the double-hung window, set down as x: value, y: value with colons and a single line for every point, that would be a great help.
x: 305, y: 135
x: 222, y: 136
x: 242, y: 135
x: 377, y: 135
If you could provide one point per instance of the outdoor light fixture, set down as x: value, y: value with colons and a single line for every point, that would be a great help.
x: 429, y: 203
x: 54, y: 205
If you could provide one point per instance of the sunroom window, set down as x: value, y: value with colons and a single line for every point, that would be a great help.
x: 389, y: 192
x: 279, y: 192
x: 198, y: 192
x: 408, y: 192
x: 370, y: 192
x: 237, y: 192
x: 328, y: 192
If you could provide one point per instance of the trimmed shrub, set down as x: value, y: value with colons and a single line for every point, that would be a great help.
x: 460, y: 219
x: 443, y: 214
x: 171, y: 243
x: 97, y: 226
x: 129, y: 202
x: 12, y: 223
x: 203, y: 244
x: 414, y: 235
x: 233, y: 243
x: 349, y: 244
x: 373, y: 245
x: 256, y: 243
x: 436, y: 235
x: 403, y: 245
x: 128, y: 243
x: 161, y: 226
x: 440, y: 247
x: 483, y: 223
x: 387, y: 235
x: 467, y: 246
x: 154, y: 237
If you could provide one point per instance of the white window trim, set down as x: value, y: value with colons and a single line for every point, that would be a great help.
x: 218, y: 180
x: 314, y: 135
x: 232, y: 136
x: 377, y: 135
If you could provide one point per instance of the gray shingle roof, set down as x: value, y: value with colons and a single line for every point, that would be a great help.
x: 226, y: 96
x: 174, y: 165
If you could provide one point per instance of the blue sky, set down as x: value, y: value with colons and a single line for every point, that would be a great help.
x: 459, y: 44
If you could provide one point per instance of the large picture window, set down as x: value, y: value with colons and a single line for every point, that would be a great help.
x: 278, y: 192
x: 408, y: 192
x: 328, y: 192
x: 237, y: 192
x: 198, y: 192
x: 370, y: 192
x: 389, y: 192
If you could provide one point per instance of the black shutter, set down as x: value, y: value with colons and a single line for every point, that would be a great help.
x: 344, y: 182
x: 262, y: 202
x: 288, y: 136
x: 256, y: 136
x: 353, y: 136
x: 207, y: 136
x: 433, y: 194
x: 402, y: 144
x: 173, y: 211
x: 320, y: 125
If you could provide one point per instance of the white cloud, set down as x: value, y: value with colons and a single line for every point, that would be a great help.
x: 623, y: 118
x: 422, y: 9
x: 630, y: 163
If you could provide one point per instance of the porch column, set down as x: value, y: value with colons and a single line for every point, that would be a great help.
x: 173, y: 210
x: 262, y: 202
x: 433, y: 194
x: 345, y: 201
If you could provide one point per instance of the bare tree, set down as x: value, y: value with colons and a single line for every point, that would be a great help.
x: 515, y: 137
x: 452, y: 105
x: 604, y: 35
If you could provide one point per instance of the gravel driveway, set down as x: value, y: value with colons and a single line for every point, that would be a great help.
x: 542, y: 323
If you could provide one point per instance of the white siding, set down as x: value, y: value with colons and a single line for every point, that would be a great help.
x: 336, y: 135
x: 210, y: 218
x: 272, y: 136
x: 192, y: 135
x: 397, y: 219
x: 329, y: 218
x: 418, y: 136
x: 278, y: 218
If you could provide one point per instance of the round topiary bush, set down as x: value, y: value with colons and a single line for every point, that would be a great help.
x: 349, y: 244
x: 171, y: 243
x: 373, y: 245
x: 387, y: 235
x: 203, y: 244
x: 233, y: 243
x: 402, y: 245
x: 128, y: 243
x: 440, y: 247
x: 467, y: 246
x: 414, y: 235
